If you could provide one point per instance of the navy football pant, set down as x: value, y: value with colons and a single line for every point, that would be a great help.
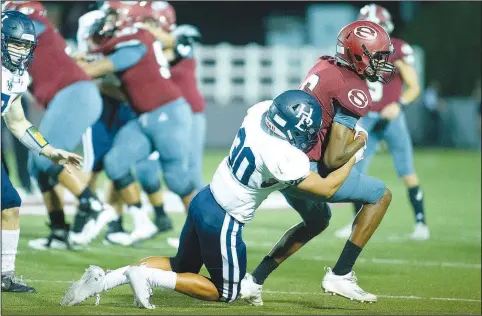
x: 212, y: 237
x: 10, y: 197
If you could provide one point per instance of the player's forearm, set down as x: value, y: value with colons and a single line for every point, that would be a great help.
x: 410, y: 94
x: 28, y: 135
x: 328, y: 186
x: 337, y: 157
x: 410, y: 79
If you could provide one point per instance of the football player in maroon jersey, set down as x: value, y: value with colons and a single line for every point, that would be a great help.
x: 163, y: 122
x: 386, y: 120
x: 338, y: 83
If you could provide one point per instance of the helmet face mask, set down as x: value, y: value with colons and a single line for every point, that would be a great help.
x: 365, y: 48
x: 18, y: 41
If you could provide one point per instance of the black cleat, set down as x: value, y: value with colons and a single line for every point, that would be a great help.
x: 163, y: 223
x: 59, y: 238
x: 11, y: 284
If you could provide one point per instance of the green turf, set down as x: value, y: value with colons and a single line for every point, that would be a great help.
x: 410, y: 277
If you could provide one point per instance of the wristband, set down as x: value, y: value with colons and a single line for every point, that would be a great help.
x: 33, y: 140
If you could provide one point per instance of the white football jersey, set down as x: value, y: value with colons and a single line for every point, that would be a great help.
x: 258, y: 164
x: 12, y: 86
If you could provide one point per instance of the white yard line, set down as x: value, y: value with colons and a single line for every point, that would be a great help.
x: 382, y: 296
x: 401, y: 297
x: 406, y: 262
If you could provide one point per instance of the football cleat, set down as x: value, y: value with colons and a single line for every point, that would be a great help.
x: 421, y: 232
x: 344, y: 232
x: 345, y: 286
x: 250, y: 291
x: 91, y: 283
x: 144, y: 228
x: 163, y: 223
x: 116, y: 235
x: 11, y: 284
x: 141, y: 287
x: 59, y: 238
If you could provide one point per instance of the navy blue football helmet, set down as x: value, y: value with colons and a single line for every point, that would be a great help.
x: 296, y: 116
x: 18, y: 41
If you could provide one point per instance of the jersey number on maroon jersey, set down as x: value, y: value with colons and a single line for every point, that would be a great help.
x: 376, y: 90
x: 310, y: 83
x: 161, y: 60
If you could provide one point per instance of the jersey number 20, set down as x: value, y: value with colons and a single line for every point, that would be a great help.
x: 241, y: 157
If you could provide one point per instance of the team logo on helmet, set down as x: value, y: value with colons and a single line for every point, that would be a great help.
x: 305, y: 118
x: 358, y: 98
x: 365, y: 32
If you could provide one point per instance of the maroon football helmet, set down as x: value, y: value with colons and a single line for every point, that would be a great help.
x: 377, y: 14
x: 365, y: 47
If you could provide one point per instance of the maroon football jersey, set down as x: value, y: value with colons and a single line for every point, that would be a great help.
x: 381, y: 94
x: 148, y: 84
x: 184, y: 75
x: 51, y: 69
x: 330, y: 83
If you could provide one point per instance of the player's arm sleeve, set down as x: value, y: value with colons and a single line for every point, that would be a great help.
x: 127, y: 56
x: 291, y: 166
x: 346, y: 117
x: 22, y: 129
x: 39, y: 27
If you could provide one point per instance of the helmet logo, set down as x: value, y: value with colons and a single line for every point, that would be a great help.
x: 305, y: 118
x: 358, y: 98
x: 365, y: 32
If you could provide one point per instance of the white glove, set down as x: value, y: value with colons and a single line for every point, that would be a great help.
x: 359, y: 154
x: 359, y: 130
x: 186, y: 30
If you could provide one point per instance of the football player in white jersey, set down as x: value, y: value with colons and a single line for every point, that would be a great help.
x: 268, y: 154
x: 18, y: 44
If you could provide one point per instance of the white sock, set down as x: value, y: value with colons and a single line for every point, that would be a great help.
x: 161, y: 278
x: 9, y: 250
x: 115, y: 278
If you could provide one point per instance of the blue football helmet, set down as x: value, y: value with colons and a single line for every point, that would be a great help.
x: 18, y: 41
x: 295, y: 116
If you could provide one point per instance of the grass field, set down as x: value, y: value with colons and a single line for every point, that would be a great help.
x: 440, y: 276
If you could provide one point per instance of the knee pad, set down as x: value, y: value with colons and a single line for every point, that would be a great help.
x: 113, y: 168
x: 46, y: 183
x: 150, y: 185
x: 149, y: 176
x: 123, y: 182
x: 318, y: 217
x: 178, y: 183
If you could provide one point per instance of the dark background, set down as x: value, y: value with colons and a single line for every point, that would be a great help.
x: 449, y: 32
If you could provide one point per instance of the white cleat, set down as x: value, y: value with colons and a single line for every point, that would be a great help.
x: 346, y: 286
x: 173, y: 242
x: 118, y: 238
x: 141, y: 287
x: 91, y: 283
x: 344, y: 232
x: 250, y: 291
x: 144, y: 228
x: 421, y: 232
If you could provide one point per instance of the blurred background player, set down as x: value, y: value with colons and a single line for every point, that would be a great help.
x: 386, y: 120
x: 18, y: 44
x: 163, y: 124
x: 178, y: 46
x: 72, y: 103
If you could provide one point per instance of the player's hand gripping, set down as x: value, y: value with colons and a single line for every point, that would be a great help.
x: 62, y: 157
x: 360, y: 132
